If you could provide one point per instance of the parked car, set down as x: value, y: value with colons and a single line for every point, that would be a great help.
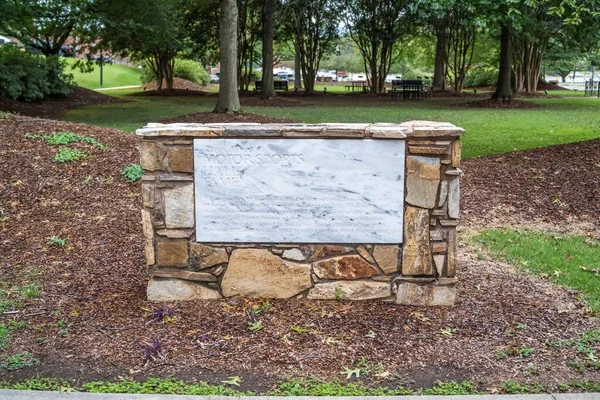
x: 214, y: 78
x: 4, y: 40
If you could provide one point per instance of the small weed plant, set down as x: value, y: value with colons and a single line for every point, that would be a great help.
x: 61, y: 138
x: 68, y: 154
x: 18, y: 361
x: 57, y: 241
x: 133, y: 172
x: 450, y: 388
x: 4, y: 115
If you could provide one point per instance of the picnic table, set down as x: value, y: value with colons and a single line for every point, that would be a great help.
x: 277, y: 85
x: 357, y: 85
x: 409, y: 89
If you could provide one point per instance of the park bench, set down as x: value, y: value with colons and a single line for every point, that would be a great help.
x: 357, y: 86
x: 409, y: 89
x: 278, y: 85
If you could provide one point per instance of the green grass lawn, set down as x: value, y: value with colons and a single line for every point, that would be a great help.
x: 114, y: 75
x: 488, y: 131
x: 568, y: 260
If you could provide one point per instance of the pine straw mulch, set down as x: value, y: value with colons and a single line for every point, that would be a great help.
x: 181, y: 87
x: 96, y: 286
x: 55, y: 107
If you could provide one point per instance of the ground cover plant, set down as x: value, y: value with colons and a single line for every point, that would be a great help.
x: 91, y: 310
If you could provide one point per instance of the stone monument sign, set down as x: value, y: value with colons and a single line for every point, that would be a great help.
x: 328, y: 211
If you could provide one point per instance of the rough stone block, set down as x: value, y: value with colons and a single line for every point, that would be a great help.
x: 439, y: 260
x: 456, y: 153
x: 172, y: 254
x: 202, y: 256
x: 259, y: 273
x: 179, y: 206
x: 443, y: 193
x: 176, y: 289
x: 428, y: 295
x: 353, y: 290
x: 328, y: 250
x: 438, y: 247
x: 185, y: 275
x: 387, y: 258
x: 365, y: 254
x: 344, y: 267
x: 147, y: 225
x: 422, y: 180
x: 152, y: 155
x: 294, y: 254
x: 428, y: 150
x: 454, y: 198
x: 451, y: 267
x: 416, y: 255
x: 148, y: 195
x: 181, y: 159
x: 175, y: 233
x: 149, y: 253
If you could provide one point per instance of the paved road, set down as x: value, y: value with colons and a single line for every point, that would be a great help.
x: 31, y: 395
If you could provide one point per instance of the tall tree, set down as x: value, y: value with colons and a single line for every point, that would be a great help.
x: 378, y: 27
x: 249, y: 28
x: 229, y: 101
x: 144, y: 29
x: 43, y: 25
x: 268, y: 33
x: 314, y: 27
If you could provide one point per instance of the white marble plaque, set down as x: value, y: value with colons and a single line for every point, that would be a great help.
x: 299, y: 190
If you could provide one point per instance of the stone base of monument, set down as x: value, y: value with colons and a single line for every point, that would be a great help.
x: 328, y: 211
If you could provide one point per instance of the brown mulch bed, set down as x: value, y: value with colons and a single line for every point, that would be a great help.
x: 179, y: 85
x: 55, y: 107
x: 553, y: 184
x: 212, y: 118
x: 95, y: 287
x: 491, y: 103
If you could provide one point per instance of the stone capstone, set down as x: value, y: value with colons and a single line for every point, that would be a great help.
x: 387, y: 258
x: 416, y: 254
x: 344, y: 267
x: 172, y: 254
x: 294, y: 254
x: 328, y: 250
x: 430, y: 295
x: 259, y: 273
x: 179, y: 207
x: 160, y: 289
x: 355, y: 290
x: 203, y: 256
x: 422, y: 180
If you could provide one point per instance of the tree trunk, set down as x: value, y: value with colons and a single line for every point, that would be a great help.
x: 268, y: 12
x: 229, y: 101
x: 297, y: 71
x: 503, y: 89
x: 439, y: 72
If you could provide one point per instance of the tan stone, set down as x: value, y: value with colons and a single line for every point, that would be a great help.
x: 354, y: 290
x: 448, y: 222
x: 172, y: 254
x: 422, y: 180
x: 175, y: 233
x: 443, y: 193
x: 181, y: 159
x: 202, y: 256
x: 416, y: 255
x: 147, y: 225
x: 451, y: 267
x: 149, y: 253
x: 365, y: 254
x: 294, y: 254
x: 439, y: 260
x: 218, y: 271
x: 428, y: 150
x: 151, y: 156
x: 439, y: 247
x: 387, y: 258
x: 382, y: 278
x: 148, y: 195
x: 186, y: 275
x: 456, y: 153
x: 259, y: 273
x: 177, y: 289
x: 328, y: 250
x: 179, y: 206
x: 454, y: 199
x: 427, y: 295
x: 344, y: 267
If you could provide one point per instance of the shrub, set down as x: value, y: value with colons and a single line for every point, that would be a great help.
x: 24, y: 76
x: 481, y: 76
x: 184, y: 69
